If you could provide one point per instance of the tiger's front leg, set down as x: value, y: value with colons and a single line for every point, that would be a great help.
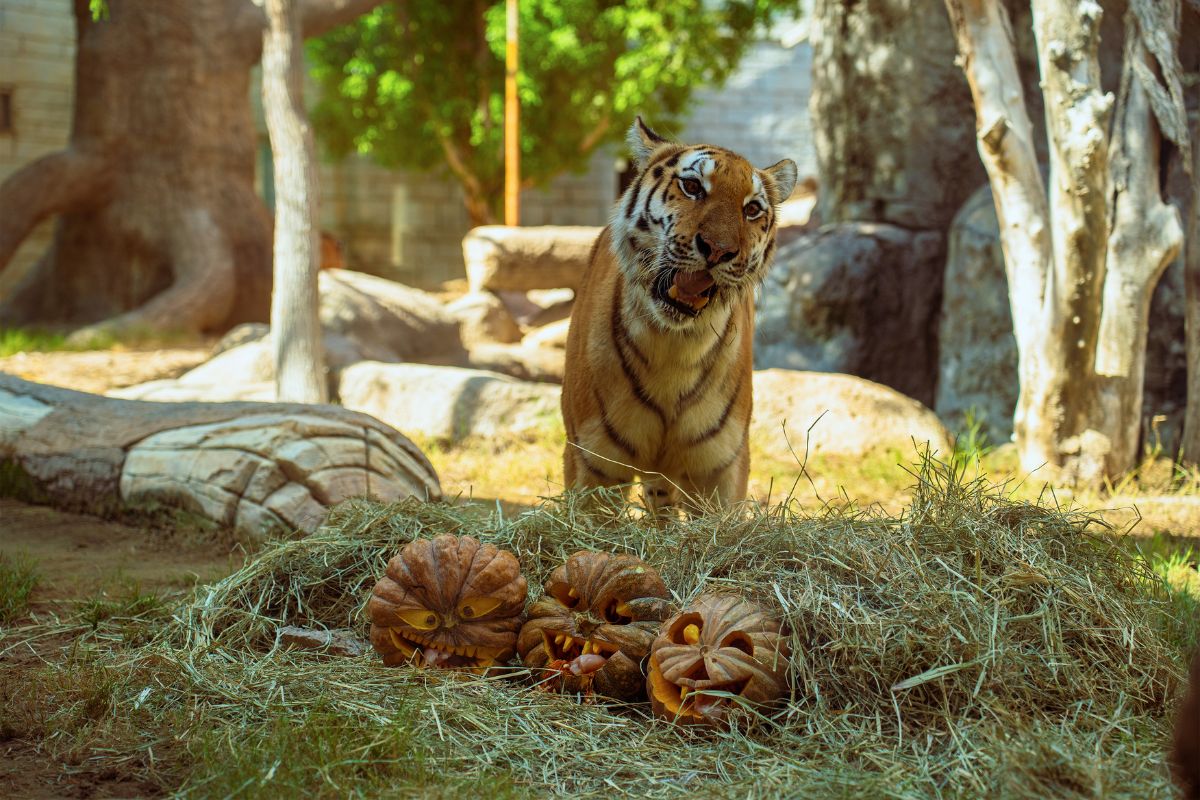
x: 720, y: 489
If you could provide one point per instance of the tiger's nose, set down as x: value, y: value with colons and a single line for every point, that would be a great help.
x: 714, y: 252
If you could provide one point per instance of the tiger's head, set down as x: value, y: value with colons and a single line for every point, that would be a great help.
x: 695, y: 231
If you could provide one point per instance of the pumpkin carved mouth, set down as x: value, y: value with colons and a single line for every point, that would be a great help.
x: 579, y: 655
x: 696, y: 696
x: 429, y: 653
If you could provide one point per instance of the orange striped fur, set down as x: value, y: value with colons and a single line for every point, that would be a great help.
x: 658, y: 373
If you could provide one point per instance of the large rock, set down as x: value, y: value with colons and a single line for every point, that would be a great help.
x: 848, y: 416
x: 977, y: 369
x: 484, y: 318
x: 388, y: 321
x: 553, y: 335
x: 448, y: 403
x: 855, y: 298
x: 248, y: 466
x: 520, y: 361
x: 175, y: 391
x: 501, y: 258
x: 243, y: 372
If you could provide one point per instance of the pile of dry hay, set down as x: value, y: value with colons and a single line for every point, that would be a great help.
x: 975, y: 646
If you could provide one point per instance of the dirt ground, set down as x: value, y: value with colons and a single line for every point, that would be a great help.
x: 80, y: 557
x: 101, y: 370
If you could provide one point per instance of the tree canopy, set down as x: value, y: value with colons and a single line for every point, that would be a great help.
x: 420, y: 85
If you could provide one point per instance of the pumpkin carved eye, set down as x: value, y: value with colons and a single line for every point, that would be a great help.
x: 739, y: 641
x: 420, y: 618
x: 567, y: 595
x: 618, y: 613
x: 686, y: 629
x: 475, y: 607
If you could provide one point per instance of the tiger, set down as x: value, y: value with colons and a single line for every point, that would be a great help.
x: 657, y: 377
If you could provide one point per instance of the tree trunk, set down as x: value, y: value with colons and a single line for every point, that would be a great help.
x: 1146, y: 236
x: 159, y: 225
x: 1191, y: 271
x: 295, y: 328
x: 1081, y: 265
x: 248, y: 466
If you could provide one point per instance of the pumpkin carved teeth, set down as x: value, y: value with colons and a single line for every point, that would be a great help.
x: 427, y: 652
x: 563, y: 646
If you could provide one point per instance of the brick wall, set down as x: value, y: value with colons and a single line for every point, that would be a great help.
x: 37, y: 60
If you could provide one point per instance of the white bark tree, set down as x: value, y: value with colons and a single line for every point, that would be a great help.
x: 1084, y: 255
x: 295, y: 327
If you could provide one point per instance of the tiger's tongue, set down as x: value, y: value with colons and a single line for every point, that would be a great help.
x: 690, y: 286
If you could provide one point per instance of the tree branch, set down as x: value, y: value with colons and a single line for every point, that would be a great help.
x: 59, y: 182
x: 1006, y: 147
x: 316, y: 17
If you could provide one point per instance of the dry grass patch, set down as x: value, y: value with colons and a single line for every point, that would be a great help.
x: 972, y: 646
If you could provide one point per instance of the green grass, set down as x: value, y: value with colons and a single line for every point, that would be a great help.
x: 34, y: 340
x: 18, y: 578
x: 324, y: 753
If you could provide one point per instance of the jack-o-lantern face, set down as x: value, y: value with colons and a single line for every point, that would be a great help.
x: 592, y: 629
x: 448, y: 602
x: 719, y: 652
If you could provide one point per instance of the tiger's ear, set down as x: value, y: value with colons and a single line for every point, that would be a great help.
x: 642, y: 141
x: 781, y: 180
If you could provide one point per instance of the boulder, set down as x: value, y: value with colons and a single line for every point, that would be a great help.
x: 174, y: 391
x: 249, y: 466
x: 501, y: 258
x: 387, y: 321
x: 977, y: 353
x: 553, y: 335
x: 551, y: 305
x: 484, y: 318
x: 244, y: 372
x: 848, y: 416
x: 520, y: 361
x: 448, y: 403
x: 855, y: 298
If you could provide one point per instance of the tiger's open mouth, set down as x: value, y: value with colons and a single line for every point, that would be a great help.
x: 425, y: 652
x: 684, y: 292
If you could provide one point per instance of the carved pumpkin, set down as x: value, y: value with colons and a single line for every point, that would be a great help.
x: 720, y: 648
x: 591, y: 631
x: 448, y: 602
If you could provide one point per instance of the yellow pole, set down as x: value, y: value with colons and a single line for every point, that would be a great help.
x: 512, y: 110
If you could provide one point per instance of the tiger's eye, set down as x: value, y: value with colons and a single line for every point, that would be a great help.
x: 691, y: 186
x: 753, y: 210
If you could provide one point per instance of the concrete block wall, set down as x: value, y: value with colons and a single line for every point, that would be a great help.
x: 37, y: 61
x: 762, y: 110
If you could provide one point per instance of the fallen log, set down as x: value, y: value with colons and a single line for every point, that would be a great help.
x: 247, y: 466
